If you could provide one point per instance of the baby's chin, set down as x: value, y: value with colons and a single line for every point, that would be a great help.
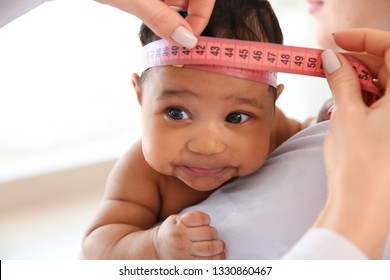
x: 205, y: 184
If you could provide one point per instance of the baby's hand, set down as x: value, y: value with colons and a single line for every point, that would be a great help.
x: 188, y: 236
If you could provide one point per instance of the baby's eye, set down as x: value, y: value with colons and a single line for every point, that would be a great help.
x: 237, y: 118
x: 177, y: 114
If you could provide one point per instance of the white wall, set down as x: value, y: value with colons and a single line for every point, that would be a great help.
x: 66, y: 96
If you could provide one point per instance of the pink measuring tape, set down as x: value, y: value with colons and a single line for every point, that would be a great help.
x: 251, y: 60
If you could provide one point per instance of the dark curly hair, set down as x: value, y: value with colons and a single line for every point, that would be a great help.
x: 251, y: 20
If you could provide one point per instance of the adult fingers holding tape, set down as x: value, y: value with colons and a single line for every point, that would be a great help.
x: 198, y: 12
x: 370, y: 46
x: 163, y: 19
x: 374, y: 43
x: 344, y: 82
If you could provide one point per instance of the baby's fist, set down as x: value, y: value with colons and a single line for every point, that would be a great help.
x: 205, y: 243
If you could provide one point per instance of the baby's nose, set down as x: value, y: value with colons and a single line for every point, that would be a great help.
x: 207, y: 141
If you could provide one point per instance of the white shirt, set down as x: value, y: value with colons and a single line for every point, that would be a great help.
x: 324, y: 244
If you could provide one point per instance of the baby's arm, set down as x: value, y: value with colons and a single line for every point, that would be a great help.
x: 124, y: 227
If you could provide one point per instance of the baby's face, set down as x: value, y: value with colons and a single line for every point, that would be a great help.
x: 204, y: 128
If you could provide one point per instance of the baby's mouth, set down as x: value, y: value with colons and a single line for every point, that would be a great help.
x: 204, y: 171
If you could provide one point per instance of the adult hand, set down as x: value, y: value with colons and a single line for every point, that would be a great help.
x: 163, y: 19
x: 357, y: 147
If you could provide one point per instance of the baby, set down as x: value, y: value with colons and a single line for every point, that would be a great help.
x: 201, y: 129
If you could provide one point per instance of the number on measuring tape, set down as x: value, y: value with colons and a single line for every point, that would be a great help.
x: 215, y: 50
x: 251, y: 56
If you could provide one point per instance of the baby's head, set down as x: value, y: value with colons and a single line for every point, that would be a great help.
x: 250, y: 20
x: 206, y: 128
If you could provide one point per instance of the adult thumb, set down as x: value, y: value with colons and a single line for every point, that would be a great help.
x: 343, y: 80
x: 166, y: 23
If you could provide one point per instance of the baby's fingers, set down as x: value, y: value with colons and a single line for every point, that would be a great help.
x: 205, y: 233
x: 214, y: 249
x: 194, y: 219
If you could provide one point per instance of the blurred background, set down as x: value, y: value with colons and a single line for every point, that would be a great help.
x: 68, y: 112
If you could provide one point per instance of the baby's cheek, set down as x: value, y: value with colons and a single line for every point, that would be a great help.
x: 159, y: 160
x: 254, y: 161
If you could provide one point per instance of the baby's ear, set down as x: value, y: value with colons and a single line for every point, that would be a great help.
x: 279, y: 90
x: 137, y: 87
